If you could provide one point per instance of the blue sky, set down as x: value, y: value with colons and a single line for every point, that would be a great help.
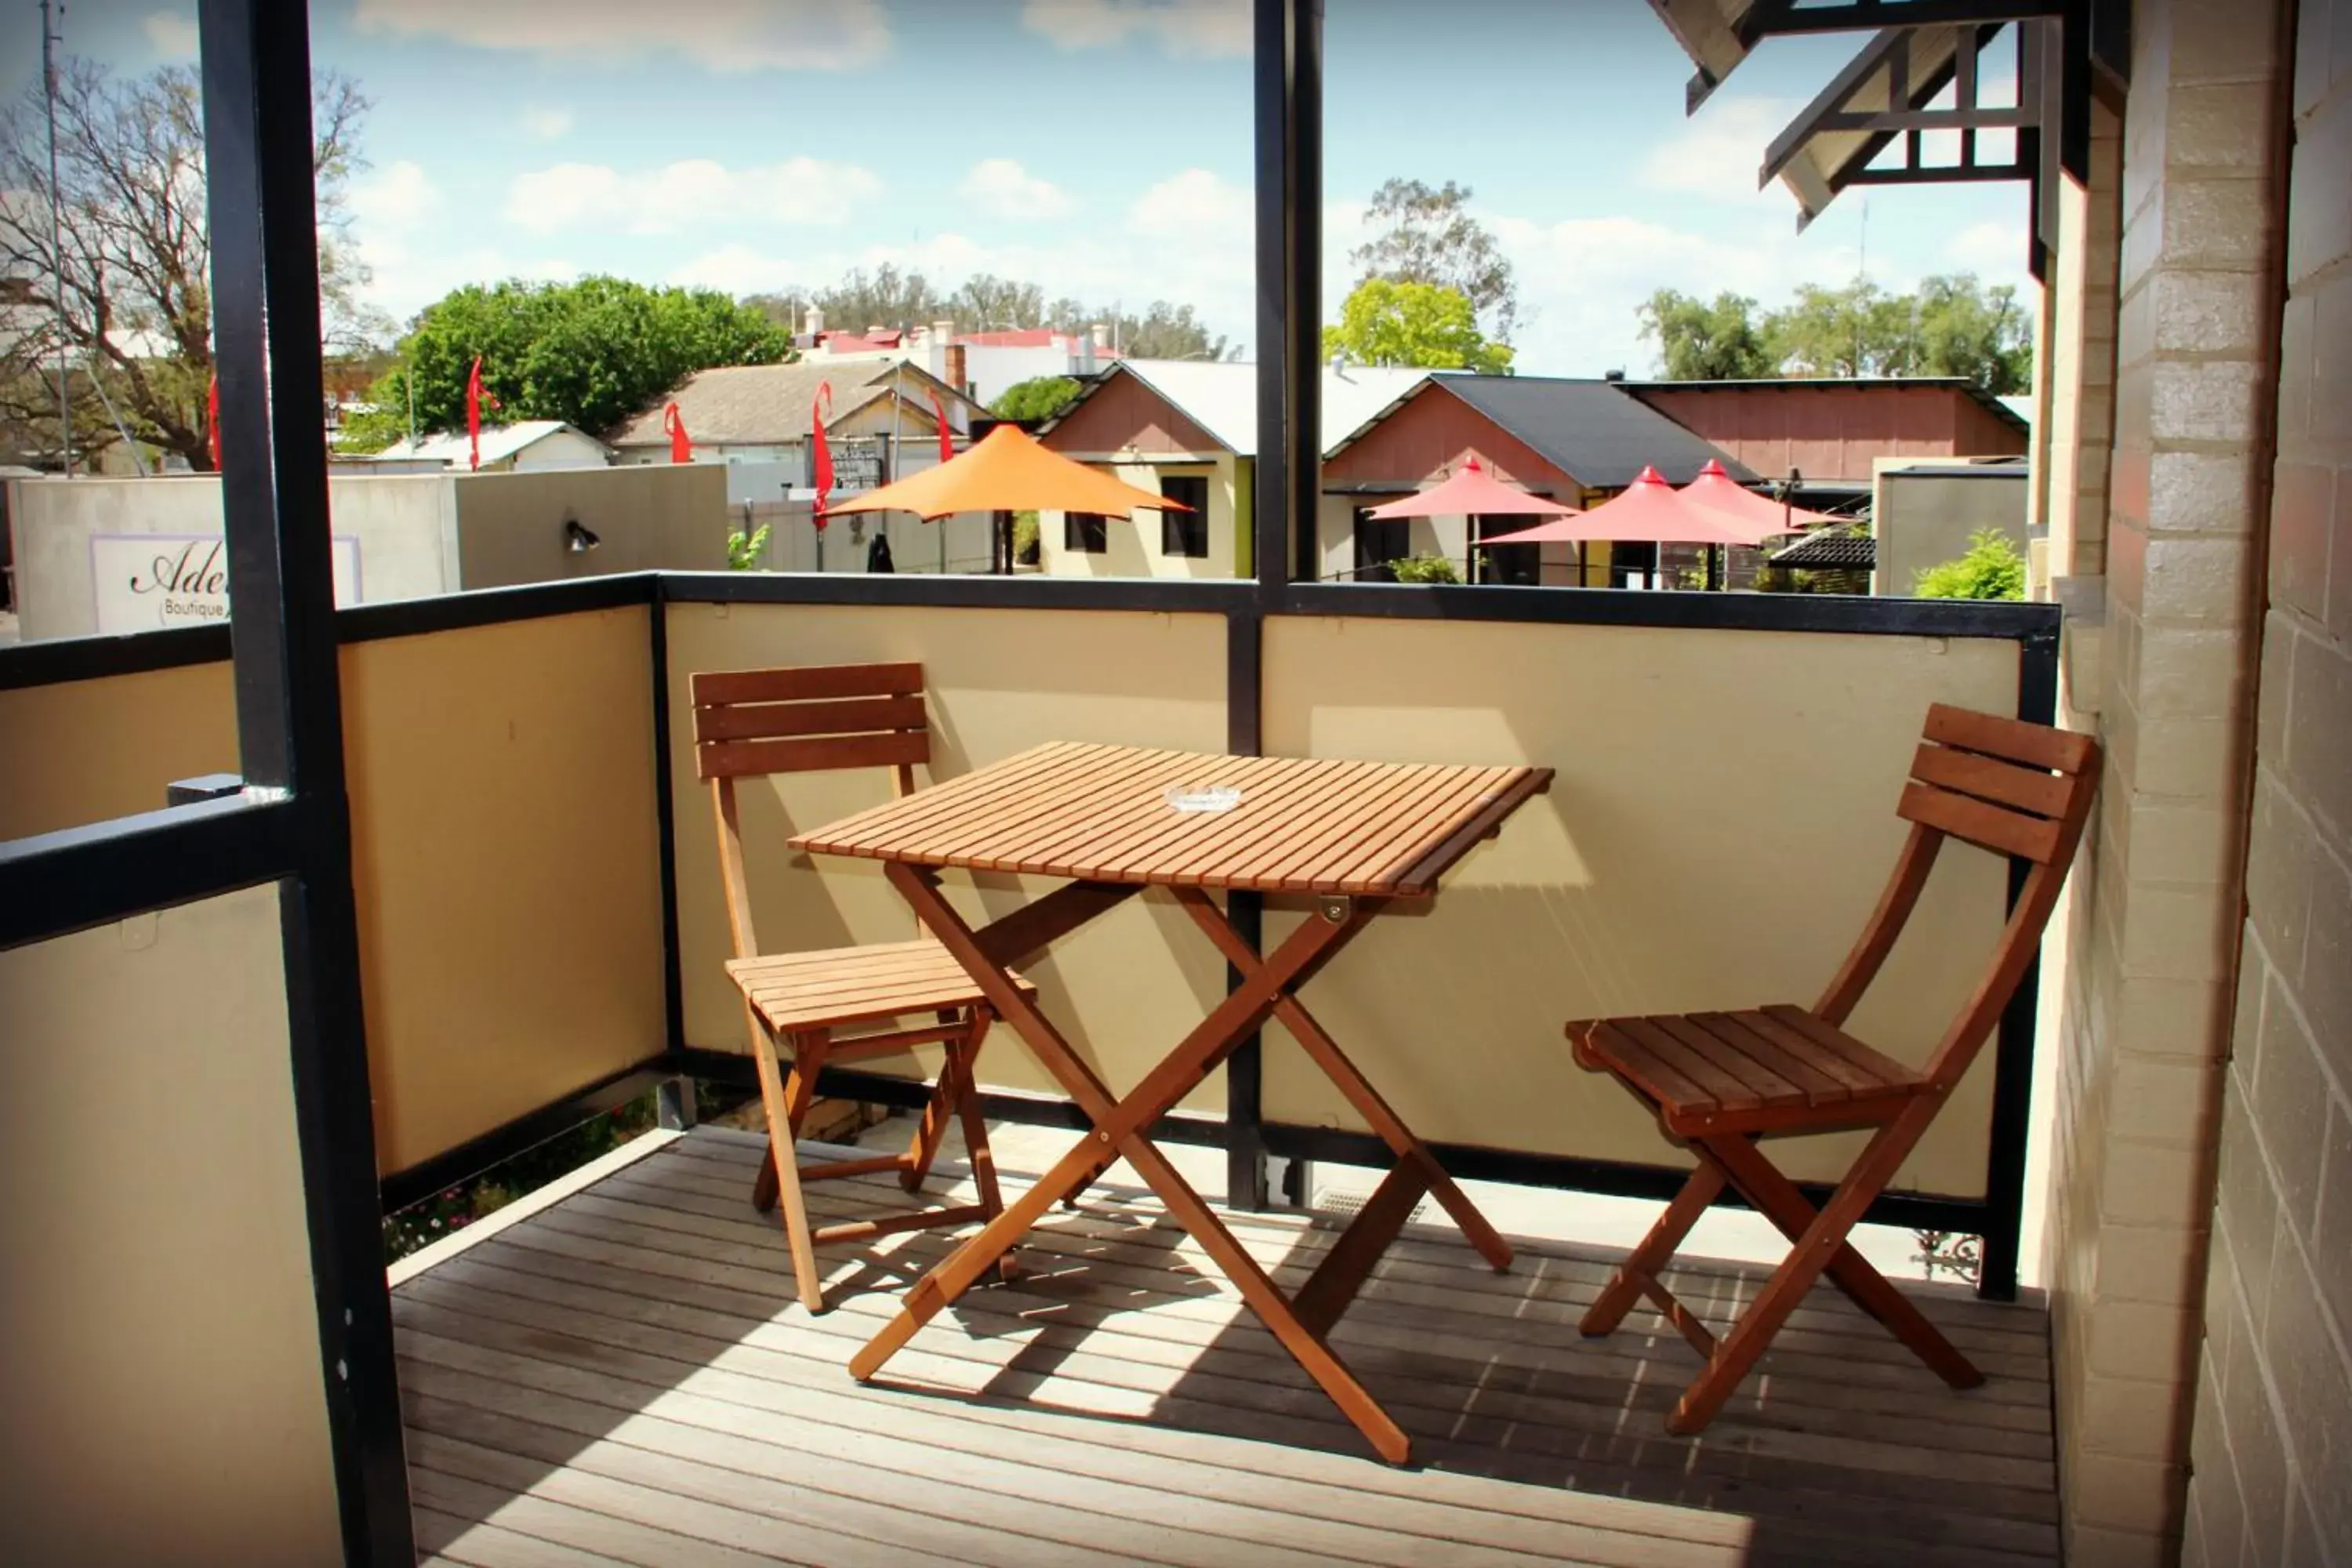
x: 1100, y: 147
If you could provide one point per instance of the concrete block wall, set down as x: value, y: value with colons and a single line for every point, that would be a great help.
x: 2271, y: 1446
x: 2152, y: 924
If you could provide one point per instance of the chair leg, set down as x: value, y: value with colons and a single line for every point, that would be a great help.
x: 1640, y: 1271
x: 968, y: 1113
x: 785, y: 1173
x: 1777, y: 1199
x: 1739, y: 1350
x: 800, y: 1092
x: 933, y: 1124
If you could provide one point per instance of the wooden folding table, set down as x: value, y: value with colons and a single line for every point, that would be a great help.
x: 1350, y: 838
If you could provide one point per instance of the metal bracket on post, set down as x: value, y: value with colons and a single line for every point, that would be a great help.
x: 207, y: 786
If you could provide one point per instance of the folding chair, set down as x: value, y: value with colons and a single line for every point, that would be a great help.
x: 1720, y: 1081
x: 755, y: 723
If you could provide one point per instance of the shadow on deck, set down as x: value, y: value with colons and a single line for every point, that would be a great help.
x: 623, y: 1377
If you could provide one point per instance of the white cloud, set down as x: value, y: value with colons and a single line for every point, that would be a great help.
x: 399, y: 195
x: 730, y: 36
x: 1196, y: 202
x: 1716, y: 156
x: 1583, y: 281
x: 1199, y: 29
x: 1003, y: 188
x: 695, y: 191
x: 172, y: 35
x: 547, y: 124
x: 1989, y: 248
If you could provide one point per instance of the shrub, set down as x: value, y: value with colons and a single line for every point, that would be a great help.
x: 1993, y: 569
x: 1425, y: 569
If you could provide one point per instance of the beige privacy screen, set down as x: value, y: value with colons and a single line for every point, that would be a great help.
x: 1720, y: 828
x: 1123, y: 988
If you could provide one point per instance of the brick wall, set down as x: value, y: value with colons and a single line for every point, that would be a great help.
x: 2271, y: 1447
x: 2145, y: 1024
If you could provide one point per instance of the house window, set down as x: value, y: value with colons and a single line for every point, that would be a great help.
x: 1185, y: 532
x: 1085, y: 532
x: 1380, y: 542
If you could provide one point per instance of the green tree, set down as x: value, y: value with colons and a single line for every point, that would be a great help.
x: 1413, y: 324
x: 1702, y: 342
x: 1424, y: 235
x: 1993, y: 569
x: 1950, y: 325
x: 1958, y: 328
x: 1039, y: 397
x: 589, y: 353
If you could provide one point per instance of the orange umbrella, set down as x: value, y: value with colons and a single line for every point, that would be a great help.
x: 1008, y: 471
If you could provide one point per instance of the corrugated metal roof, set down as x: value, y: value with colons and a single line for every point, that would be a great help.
x: 1221, y: 397
x: 2015, y: 411
x: 757, y: 405
x: 500, y: 442
x: 1829, y: 551
x: 1595, y: 430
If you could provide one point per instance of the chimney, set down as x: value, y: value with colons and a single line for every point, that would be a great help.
x: 1613, y: 375
x: 954, y: 376
x: 1101, y: 335
x: 1087, y: 349
x: 815, y: 323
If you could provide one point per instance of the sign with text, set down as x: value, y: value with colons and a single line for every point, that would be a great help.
x: 151, y: 581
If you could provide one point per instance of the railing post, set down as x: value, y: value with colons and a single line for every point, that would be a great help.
x: 262, y: 217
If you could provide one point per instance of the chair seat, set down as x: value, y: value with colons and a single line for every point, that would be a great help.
x: 842, y: 985
x: 1766, y: 1069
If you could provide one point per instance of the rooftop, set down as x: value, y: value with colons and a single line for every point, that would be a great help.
x: 1221, y: 396
x: 498, y: 442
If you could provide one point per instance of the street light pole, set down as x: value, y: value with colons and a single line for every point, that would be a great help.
x: 50, y: 37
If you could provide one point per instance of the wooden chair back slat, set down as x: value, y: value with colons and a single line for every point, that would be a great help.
x: 781, y: 721
x: 2005, y: 786
x: 1987, y: 778
x: 1980, y: 823
x: 724, y: 688
x: 816, y: 718
x: 2011, y: 740
x: 811, y: 719
x: 735, y: 759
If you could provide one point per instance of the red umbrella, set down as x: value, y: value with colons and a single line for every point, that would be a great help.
x: 1473, y: 492
x: 1649, y: 511
x: 1718, y: 490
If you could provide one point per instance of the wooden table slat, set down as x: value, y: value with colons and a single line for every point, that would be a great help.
x: 1440, y: 813
x: 1113, y: 817
x: 1146, y: 823
x: 1083, y: 788
x: 1099, y: 813
x: 908, y: 813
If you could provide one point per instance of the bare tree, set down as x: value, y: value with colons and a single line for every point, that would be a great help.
x: 1425, y: 236
x: 136, y: 270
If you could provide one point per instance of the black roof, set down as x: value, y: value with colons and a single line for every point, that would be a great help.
x: 1831, y: 551
x: 1595, y: 430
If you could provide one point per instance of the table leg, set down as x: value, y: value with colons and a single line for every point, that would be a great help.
x: 1121, y: 1129
x: 1325, y: 1054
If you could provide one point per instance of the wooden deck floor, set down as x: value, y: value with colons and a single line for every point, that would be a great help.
x: 622, y: 1378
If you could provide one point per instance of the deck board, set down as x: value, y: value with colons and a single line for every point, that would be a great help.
x: 626, y: 1377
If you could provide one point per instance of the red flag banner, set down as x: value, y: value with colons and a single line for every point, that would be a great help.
x: 821, y: 471
x: 947, y: 432
x: 681, y: 444
x: 474, y: 414
x: 212, y: 421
